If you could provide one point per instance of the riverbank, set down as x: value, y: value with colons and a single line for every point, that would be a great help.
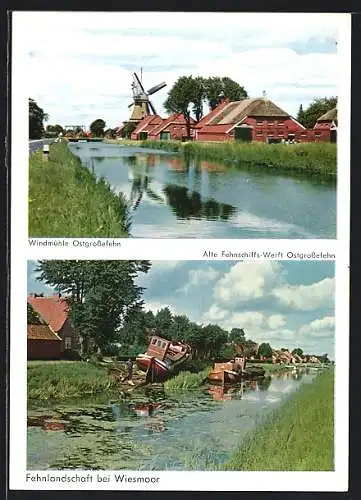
x: 298, y: 436
x: 318, y: 159
x: 66, y: 199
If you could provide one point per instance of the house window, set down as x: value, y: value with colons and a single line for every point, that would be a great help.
x: 259, y: 122
x: 259, y: 132
x: 159, y: 343
x: 271, y: 123
x: 67, y: 342
x: 154, y: 341
x: 281, y: 123
x: 318, y: 134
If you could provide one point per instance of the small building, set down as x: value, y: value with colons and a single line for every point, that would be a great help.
x: 250, y: 120
x: 43, y: 343
x: 325, y: 128
x: 172, y: 128
x: 145, y: 126
x: 53, y: 310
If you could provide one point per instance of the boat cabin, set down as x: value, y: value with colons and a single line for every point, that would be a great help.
x: 158, y: 347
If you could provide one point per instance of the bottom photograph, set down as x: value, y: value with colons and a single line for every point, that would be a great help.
x: 180, y: 365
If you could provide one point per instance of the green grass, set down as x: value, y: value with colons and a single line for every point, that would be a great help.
x: 299, y: 436
x: 186, y: 380
x: 66, y: 199
x: 310, y: 158
x: 67, y: 379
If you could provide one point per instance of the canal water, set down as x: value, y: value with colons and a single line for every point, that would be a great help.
x: 153, y: 430
x: 170, y: 197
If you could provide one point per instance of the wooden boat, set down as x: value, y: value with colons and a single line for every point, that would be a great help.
x: 232, y: 372
x: 162, y: 356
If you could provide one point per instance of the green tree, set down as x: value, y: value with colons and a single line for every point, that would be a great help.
x: 97, y: 127
x: 300, y: 114
x: 317, y: 108
x: 180, y: 98
x: 101, y: 295
x: 36, y: 120
x: 56, y: 129
x: 265, y: 350
x: 163, y: 321
x: 199, y: 96
x: 237, y: 335
x: 214, y: 86
x: 298, y: 351
x: 127, y: 130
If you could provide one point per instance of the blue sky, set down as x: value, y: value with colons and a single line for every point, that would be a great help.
x: 81, y: 64
x: 287, y: 303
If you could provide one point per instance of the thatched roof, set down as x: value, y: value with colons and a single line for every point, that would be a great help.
x: 330, y: 116
x: 236, y: 111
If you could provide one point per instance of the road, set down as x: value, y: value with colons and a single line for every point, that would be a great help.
x: 38, y: 143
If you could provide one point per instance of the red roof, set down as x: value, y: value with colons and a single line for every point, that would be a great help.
x: 212, y: 114
x: 54, y: 310
x: 41, y: 332
x: 175, y: 118
x: 147, y: 123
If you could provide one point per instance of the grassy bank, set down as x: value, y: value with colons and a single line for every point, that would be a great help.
x: 67, y: 379
x: 310, y: 158
x: 298, y: 436
x: 186, y: 380
x: 66, y: 200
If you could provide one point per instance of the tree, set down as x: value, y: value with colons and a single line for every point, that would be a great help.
x: 298, y: 351
x: 300, y: 114
x: 265, y: 350
x: 56, y: 129
x: 214, y: 86
x: 180, y: 97
x: 163, y: 321
x: 317, y: 108
x: 97, y: 127
x: 102, y: 295
x: 36, y: 119
x: 199, y: 96
x: 237, y: 335
x: 127, y: 130
x: 33, y: 316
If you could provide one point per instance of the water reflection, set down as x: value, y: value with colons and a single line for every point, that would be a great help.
x: 217, y: 201
x: 187, y: 204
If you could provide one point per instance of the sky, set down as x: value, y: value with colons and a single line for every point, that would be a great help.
x: 80, y: 64
x: 286, y: 303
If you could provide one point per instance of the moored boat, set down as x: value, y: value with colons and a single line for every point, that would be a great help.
x: 232, y: 372
x: 161, y: 357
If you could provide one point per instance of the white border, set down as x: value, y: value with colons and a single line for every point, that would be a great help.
x: 175, y: 250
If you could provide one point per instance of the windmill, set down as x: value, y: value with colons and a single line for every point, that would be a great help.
x: 142, y: 106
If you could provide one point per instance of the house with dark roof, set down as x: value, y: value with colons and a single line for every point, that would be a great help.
x: 250, y: 120
x: 325, y: 128
x: 53, y: 311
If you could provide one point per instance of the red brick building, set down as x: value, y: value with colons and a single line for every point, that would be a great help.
x: 250, y: 120
x: 155, y: 128
x: 43, y: 343
x: 145, y: 126
x: 325, y: 128
x: 54, y: 311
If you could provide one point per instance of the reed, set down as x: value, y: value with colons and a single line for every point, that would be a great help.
x: 66, y: 199
x: 310, y: 158
x: 186, y: 380
x: 67, y: 379
x: 298, y: 436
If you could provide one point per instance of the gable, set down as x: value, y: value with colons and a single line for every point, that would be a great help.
x: 54, y: 310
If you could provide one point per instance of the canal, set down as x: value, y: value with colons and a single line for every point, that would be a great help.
x: 170, y: 197
x: 152, y: 430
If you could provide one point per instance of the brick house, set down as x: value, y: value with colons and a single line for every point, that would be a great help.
x: 53, y: 310
x: 325, y: 128
x: 145, y: 126
x: 43, y: 343
x: 250, y: 120
x: 156, y: 128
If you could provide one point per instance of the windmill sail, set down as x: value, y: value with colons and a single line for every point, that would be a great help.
x: 142, y: 106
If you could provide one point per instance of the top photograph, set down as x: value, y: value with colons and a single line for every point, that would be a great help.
x: 181, y: 125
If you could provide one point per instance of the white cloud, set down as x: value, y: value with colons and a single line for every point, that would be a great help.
x: 307, y: 297
x: 87, y: 59
x: 319, y: 328
x: 276, y: 321
x: 246, y: 281
x: 199, y: 277
x: 156, y: 306
x: 215, y: 314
